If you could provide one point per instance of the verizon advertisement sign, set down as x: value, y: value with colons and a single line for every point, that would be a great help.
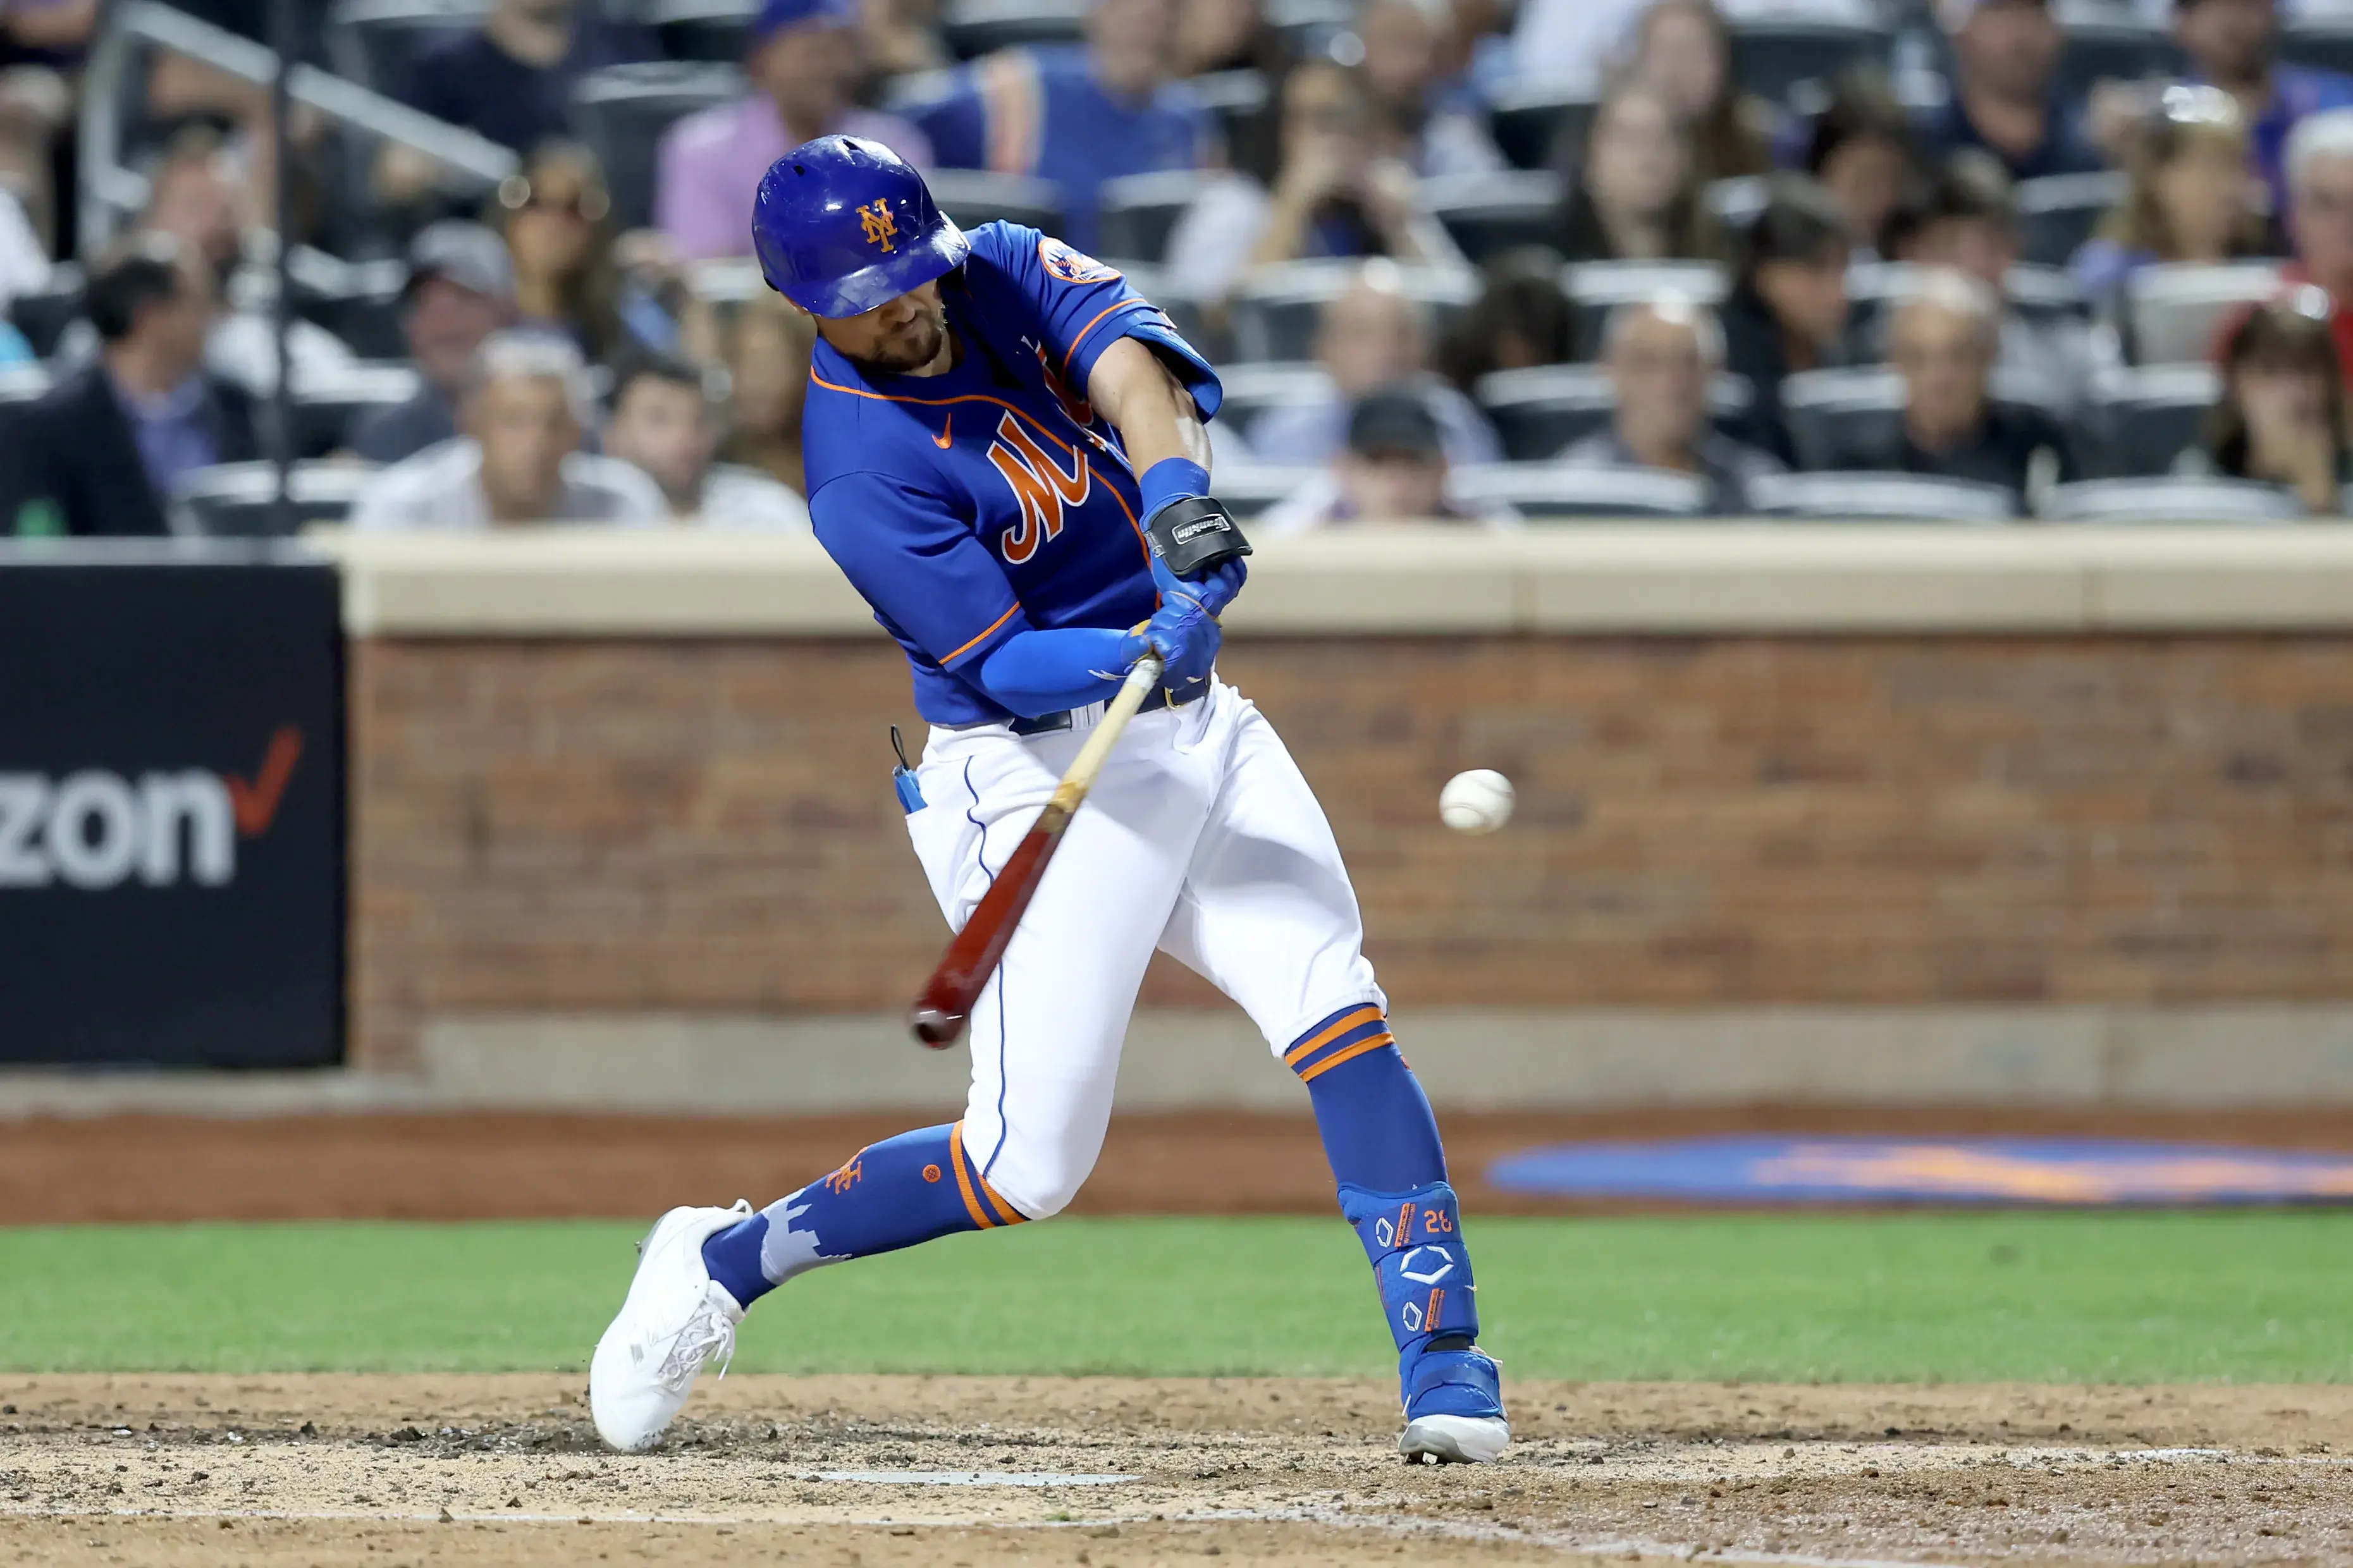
x: 171, y: 810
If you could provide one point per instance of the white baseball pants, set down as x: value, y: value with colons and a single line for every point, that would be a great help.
x: 1200, y: 838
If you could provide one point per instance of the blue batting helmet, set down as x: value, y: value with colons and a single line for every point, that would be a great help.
x: 842, y: 224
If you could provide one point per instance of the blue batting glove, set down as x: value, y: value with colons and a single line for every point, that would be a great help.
x: 1187, y: 637
x: 1213, y: 592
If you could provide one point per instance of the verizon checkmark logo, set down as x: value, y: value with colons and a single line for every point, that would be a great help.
x: 95, y: 829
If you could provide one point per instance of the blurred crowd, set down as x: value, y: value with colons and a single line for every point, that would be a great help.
x: 1460, y: 260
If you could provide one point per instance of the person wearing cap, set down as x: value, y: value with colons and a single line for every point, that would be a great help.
x: 2006, y: 97
x: 1393, y: 469
x: 1662, y: 354
x: 1076, y: 115
x: 460, y: 290
x: 802, y: 57
x: 2234, y: 45
x: 519, y: 462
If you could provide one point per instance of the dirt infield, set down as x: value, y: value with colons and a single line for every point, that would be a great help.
x: 424, y: 1165
x: 1106, y: 1472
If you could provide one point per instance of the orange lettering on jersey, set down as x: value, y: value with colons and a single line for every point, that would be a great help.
x: 1042, y: 487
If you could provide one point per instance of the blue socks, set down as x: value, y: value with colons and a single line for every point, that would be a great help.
x: 1377, y: 1128
x: 1382, y: 1141
x: 905, y: 1190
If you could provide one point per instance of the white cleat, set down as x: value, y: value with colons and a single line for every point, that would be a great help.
x: 1454, y: 1439
x: 675, y: 1321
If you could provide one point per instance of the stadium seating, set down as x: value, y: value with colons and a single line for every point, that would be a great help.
x: 1490, y: 213
x: 1532, y: 121
x: 976, y: 27
x: 2318, y: 39
x: 2058, y: 213
x: 621, y: 111
x: 711, y: 30
x: 1232, y: 96
x: 2170, y: 500
x: 1553, y: 493
x: 43, y: 314
x: 1880, y: 498
x: 1276, y: 310
x: 239, y: 501
x: 1541, y: 409
x: 1772, y: 54
x: 2171, y: 314
x: 2143, y: 418
x: 1252, y: 389
x: 1311, y: 26
x: 1249, y: 489
x: 377, y: 42
x: 1735, y: 203
x: 23, y: 383
x: 1137, y: 212
x: 974, y: 196
x: 1873, y: 289
x: 1595, y: 287
x: 2107, y: 41
x: 328, y: 401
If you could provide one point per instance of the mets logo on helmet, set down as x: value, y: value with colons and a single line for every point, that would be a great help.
x: 880, y: 228
x: 1042, y: 487
x: 1073, y: 265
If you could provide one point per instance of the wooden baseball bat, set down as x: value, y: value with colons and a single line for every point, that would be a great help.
x: 945, y: 1004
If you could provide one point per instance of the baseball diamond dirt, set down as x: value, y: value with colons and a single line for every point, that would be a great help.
x: 978, y: 1472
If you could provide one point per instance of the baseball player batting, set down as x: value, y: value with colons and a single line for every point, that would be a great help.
x: 1005, y: 456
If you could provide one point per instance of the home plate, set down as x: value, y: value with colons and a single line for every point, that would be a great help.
x: 965, y: 1477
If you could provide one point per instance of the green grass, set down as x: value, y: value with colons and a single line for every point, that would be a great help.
x: 2249, y: 1297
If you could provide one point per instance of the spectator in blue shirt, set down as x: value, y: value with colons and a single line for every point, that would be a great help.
x: 2234, y: 45
x: 510, y: 79
x: 2006, y: 98
x: 1075, y: 115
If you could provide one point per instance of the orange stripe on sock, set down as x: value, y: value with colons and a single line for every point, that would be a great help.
x: 1351, y: 1053
x: 963, y: 1178
x: 1308, y: 1047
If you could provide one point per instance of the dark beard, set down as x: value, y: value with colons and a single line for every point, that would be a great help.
x: 924, y: 343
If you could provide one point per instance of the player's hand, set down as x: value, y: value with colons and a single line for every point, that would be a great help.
x: 1213, y: 591
x: 1187, y: 637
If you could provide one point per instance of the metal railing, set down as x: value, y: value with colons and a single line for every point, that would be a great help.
x: 112, y: 189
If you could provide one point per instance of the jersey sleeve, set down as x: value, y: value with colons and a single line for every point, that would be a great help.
x: 920, y: 565
x: 1086, y: 306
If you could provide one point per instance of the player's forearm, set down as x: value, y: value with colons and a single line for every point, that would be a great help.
x: 1040, y: 672
x: 1135, y: 391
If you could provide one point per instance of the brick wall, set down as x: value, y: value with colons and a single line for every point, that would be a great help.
x: 708, y: 827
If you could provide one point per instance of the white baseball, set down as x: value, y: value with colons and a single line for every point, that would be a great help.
x: 1477, y: 802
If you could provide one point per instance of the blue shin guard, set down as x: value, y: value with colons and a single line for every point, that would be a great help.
x: 1415, y: 1242
x: 1383, y: 1144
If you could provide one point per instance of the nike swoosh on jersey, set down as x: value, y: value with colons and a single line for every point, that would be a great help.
x: 946, y: 425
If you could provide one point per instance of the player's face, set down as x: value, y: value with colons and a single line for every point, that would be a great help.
x: 898, y: 337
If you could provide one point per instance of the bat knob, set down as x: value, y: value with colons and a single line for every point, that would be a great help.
x: 935, y: 1027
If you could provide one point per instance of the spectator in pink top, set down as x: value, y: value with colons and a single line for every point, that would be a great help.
x: 802, y: 56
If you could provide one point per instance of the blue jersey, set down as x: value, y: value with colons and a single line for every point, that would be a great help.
x: 1040, y: 112
x: 972, y: 506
